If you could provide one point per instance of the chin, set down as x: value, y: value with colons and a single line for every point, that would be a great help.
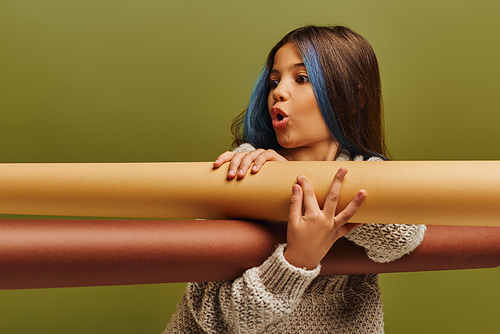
x: 285, y: 144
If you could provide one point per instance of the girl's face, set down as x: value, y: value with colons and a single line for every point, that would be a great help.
x: 296, y: 116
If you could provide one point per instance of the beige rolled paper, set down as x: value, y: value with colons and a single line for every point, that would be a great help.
x: 423, y: 192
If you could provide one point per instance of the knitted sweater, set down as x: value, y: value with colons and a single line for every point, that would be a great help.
x: 277, y: 297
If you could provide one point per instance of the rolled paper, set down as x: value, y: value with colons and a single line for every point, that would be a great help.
x: 417, y: 192
x: 71, y: 253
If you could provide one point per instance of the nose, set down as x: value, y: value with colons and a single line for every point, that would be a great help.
x: 281, y: 93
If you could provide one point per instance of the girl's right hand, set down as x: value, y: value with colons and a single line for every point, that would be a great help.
x: 239, y: 163
x: 311, y: 230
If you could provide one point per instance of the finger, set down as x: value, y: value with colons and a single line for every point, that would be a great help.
x: 260, y: 161
x: 247, y: 161
x: 309, y: 198
x: 295, y: 204
x: 332, y: 198
x: 223, y: 158
x: 353, y: 206
x: 234, y: 165
x: 268, y: 155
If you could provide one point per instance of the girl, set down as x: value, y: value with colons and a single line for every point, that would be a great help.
x: 318, y: 98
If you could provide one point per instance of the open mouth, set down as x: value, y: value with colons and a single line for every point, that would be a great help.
x: 280, y: 119
x: 277, y: 113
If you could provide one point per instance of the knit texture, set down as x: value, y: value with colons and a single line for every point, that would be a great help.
x: 277, y: 297
x: 380, y: 240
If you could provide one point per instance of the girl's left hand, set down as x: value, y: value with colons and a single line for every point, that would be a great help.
x: 311, y: 234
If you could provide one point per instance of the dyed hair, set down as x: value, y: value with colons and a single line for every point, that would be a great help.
x: 344, y: 74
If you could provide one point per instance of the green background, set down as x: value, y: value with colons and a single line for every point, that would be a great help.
x: 151, y: 80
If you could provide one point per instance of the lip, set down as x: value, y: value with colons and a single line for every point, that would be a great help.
x: 280, y: 118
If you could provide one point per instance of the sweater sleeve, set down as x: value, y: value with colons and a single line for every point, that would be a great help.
x: 245, y: 147
x: 386, y: 242
x: 263, y: 295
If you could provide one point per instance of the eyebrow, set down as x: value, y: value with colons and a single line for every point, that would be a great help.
x: 294, y: 66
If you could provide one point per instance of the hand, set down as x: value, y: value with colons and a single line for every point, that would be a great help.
x: 240, y: 162
x: 311, y: 235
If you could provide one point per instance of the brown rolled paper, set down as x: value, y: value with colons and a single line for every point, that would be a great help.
x: 432, y: 193
x: 70, y: 253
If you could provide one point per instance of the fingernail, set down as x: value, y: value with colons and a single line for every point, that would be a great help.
x: 254, y: 167
x: 231, y: 172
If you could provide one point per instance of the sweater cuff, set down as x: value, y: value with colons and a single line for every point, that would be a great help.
x: 283, y: 278
x: 245, y: 147
x: 387, y: 242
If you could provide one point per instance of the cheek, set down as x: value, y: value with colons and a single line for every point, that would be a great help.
x: 311, y: 105
x: 316, y: 117
x: 309, y: 100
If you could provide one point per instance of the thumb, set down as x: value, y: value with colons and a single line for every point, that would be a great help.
x: 295, y: 204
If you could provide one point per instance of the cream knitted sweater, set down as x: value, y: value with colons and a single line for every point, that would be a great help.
x: 277, y: 297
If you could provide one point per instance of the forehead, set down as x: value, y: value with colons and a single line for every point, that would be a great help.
x: 287, y: 55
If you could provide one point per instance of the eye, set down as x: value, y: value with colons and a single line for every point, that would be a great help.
x: 301, y: 79
x: 274, y: 83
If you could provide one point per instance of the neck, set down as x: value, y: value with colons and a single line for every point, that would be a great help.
x: 327, y: 152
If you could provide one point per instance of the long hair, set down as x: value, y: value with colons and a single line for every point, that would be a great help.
x: 344, y: 74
